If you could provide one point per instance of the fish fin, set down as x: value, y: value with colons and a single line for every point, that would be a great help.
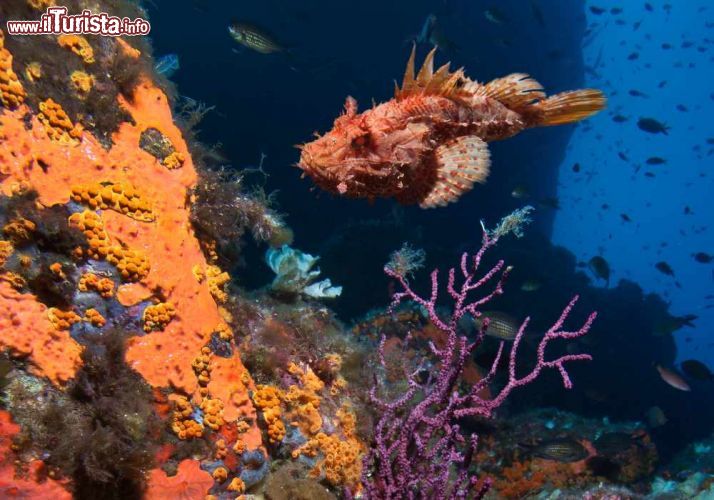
x: 442, y: 82
x: 460, y: 163
x: 569, y: 107
x: 515, y: 91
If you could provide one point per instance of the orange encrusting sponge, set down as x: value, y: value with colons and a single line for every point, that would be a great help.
x: 133, y: 210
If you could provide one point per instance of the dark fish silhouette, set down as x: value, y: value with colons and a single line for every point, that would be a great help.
x: 703, y: 258
x: 600, y: 268
x: 655, y: 160
x: 664, y: 268
x: 696, y: 369
x: 671, y: 324
x: 652, y: 126
x: 612, y: 443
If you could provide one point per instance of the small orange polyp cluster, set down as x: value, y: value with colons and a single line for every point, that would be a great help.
x: 236, y: 485
x: 156, y: 317
x: 56, y: 269
x: 57, y: 124
x: 79, y: 45
x: 181, y: 422
x: 62, y: 320
x: 82, y: 82
x: 12, y: 94
x: 19, y: 230
x: 120, y: 197
x: 6, y: 250
x: 224, y: 332
x: 217, y: 280
x: 267, y: 399
x: 40, y: 4
x: 202, y: 368
x: 15, y: 280
x: 33, y: 71
x: 173, y: 161
x: 90, y: 282
x: 221, y: 449
x: 212, y: 407
x: 341, y: 464
x: 212, y: 413
x: 240, y: 446
x: 220, y: 474
x: 133, y: 265
x: 94, y: 317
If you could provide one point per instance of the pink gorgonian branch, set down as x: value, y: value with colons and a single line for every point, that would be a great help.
x: 419, y: 450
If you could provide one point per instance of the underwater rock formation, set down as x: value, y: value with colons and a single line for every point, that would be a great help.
x: 97, y: 248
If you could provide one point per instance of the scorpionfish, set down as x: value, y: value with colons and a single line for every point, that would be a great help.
x: 428, y: 145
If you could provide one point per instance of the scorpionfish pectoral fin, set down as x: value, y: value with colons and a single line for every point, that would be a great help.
x: 459, y: 162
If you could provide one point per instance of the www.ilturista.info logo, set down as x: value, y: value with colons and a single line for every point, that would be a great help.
x: 56, y: 21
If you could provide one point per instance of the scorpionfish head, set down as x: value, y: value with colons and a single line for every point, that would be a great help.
x: 348, y: 146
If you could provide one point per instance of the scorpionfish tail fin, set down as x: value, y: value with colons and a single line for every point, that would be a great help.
x: 568, y: 107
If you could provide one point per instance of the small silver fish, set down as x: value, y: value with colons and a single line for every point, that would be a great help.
x: 673, y: 379
x: 531, y: 285
x: 254, y: 38
x: 561, y: 450
x: 500, y: 325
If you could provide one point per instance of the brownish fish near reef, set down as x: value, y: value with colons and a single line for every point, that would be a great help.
x: 427, y: 145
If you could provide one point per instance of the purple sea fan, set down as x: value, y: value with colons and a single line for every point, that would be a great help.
x: 419, y: 450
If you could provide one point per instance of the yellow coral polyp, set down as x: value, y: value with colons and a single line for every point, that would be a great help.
x: 133, y: 265
x: 19, y: 230
x: 221, y: 449
x: 94, y: 317
x: 239, y: 447
x: 236, y: 485
x: 6, y: 249
x: 12, y: 94
x: 57, y: 124
x: 79, y: 45
x: 224, y: 332
x: 217, y: 281
x: 181, y: 422
x: 156, y: 317
x: 40, y: 4
x: 90, y: 282
x: 82, y: 82
x: 212, y: 413
x: 56, y: 269
x: 220, y: 474
x: 341, y: 463
x: 33, y: 71
x: 119, y: 197
x: 173, y: 161
x: 15, y: 280
x: 202, y: 369
x: 268, y: 399
x: 62, y: 320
